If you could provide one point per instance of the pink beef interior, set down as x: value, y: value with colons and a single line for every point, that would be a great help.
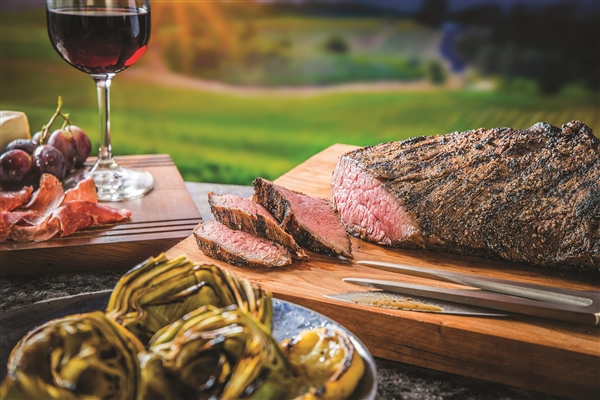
x: 249, y: 246
x: 367, y: 208
x: 317, y: 214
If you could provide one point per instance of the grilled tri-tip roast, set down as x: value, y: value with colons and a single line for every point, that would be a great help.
x: 312, y: 221
x: 529, y: 195
x: 246, y: 215
x: 238, y: 247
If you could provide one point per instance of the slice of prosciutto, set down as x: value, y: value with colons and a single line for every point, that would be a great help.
x: 85, y: 190
x: 79, y: 214
x: 44, y: 230
x: 7, y: 221
x: 45, y: 200
x: 9, y: 200
x: 50, y: 211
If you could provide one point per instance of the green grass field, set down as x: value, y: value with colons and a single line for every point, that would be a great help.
x: 231, y: 138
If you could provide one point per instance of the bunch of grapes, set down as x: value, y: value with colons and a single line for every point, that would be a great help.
x: 25, y: 160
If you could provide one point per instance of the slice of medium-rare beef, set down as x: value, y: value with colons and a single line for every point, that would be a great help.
x: 46, y: 199
x: 9, y: 200
x: 246, y: 215
x: 529, y: 195
x: 85, y: 190
x: 238, y: 247
x: 79, y: 214
x: 312, y: 221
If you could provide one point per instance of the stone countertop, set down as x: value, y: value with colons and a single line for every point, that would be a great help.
x: 396, y: 380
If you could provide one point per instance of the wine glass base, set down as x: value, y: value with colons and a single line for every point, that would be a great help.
x: 119, y: 184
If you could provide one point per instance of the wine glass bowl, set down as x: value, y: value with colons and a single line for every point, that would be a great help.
x: 102, y: 38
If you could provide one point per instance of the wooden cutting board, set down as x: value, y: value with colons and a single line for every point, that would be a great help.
x: 532, y: 353
x: 159, y: 220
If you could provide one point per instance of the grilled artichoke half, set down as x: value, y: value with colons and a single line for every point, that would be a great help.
x: 159, y: 291
x: 327, y: 362
x: 79, y: 356
x: 216, y: 353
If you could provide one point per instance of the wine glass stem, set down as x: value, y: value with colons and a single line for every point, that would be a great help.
x: 103, y: 82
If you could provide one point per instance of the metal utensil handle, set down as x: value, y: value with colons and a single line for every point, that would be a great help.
x: 529, y: 291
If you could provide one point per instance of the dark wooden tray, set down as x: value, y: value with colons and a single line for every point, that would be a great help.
x: 159, y: 220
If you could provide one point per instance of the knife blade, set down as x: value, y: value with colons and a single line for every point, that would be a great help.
x: 565, y: 311
x: 383, y: 299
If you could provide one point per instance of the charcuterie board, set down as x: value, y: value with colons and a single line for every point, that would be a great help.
x: 159, y: 220
x: 542, y: 355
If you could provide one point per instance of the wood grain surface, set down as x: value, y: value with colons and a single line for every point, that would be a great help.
x: 159, y: 220
x: 533, y: 353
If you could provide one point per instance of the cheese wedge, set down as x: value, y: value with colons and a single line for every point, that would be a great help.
x: 13, y: 125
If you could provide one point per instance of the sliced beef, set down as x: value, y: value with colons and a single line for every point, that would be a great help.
x: 249, y: 216
x: 312, y: 221
x: 238, y: 247
x: 528, y: 195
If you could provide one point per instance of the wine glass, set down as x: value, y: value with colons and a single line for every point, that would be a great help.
x: 101, y: 38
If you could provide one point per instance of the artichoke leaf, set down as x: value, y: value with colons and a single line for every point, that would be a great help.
x: 327, y: 362
x: 159, y: 291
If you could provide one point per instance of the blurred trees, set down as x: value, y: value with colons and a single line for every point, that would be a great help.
x: 553, y: 45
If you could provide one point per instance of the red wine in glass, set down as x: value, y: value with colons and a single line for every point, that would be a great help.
x: 100, y: 40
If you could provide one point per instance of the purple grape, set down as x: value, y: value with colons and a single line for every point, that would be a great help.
x: 15, y: 165
x: 48, y: 159
x: 36, y: 137
x: 83, y: 144
x: 65, y: 143
x: 22, y: 144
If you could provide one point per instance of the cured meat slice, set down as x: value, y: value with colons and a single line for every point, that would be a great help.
x: 42, y: 218
x: 46, y: 199
x: 529, y: 195
x: 65, y: 220
x: 79, y: 214
x: 10, y: 219
x: 249, y: 216
x: 85, y: 190
x: 7, y: 220
x: 9, y: 200
x: 238, y: 247
x: 44, y: 230
x: 312, y: 221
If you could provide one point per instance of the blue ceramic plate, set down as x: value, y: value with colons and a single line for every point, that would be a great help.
x: 288, y: 320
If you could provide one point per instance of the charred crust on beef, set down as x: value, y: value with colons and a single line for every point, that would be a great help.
x: 529, y: 195
x: 312, y: 221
